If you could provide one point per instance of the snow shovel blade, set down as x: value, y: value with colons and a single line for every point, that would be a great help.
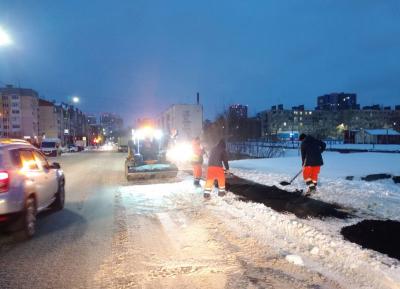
x: 284, y: 183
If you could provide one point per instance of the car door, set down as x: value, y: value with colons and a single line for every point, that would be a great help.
x: 36, y: 179
x: 49, y: 176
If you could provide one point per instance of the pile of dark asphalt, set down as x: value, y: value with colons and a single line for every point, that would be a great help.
x: 284, y: 201
x: 382, y: 236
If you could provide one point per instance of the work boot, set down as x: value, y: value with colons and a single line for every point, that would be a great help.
x: 196, y: 183
x: 311, y: 190
x: 207, y: 196
x: 309, y: 183
x: 221, y: 193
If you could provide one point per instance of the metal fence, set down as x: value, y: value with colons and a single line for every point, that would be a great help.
x: 260, y: 149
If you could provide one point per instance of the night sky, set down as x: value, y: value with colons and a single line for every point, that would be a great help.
x: 136, y: 58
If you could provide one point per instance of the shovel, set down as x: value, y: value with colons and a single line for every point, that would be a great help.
x: 285, y: 183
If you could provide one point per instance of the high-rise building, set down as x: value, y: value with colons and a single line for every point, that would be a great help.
x: 111, y: 123
x: 238, y: 111
x: 71, y: 123
x: 19, y: 112
x: 92, y: 119
x: 298, y: 108
x: 337, y: 101
x: 49, y: 120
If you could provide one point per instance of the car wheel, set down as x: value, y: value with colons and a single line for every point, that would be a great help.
x: 59, y: 202
x: 27, y: 222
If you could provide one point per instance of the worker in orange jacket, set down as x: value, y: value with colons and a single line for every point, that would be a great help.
x: 311, y: 156
x: 197, y: 161
x: 217, y: 160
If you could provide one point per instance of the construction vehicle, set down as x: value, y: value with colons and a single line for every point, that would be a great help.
x: 147, y: 157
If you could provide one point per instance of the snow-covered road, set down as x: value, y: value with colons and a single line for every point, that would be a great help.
x: 167, y: 236
x: 114, y: 234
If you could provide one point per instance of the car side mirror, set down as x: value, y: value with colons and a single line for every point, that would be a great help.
x: 56, y: 166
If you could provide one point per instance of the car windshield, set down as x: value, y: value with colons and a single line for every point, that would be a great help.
x: 48, y: 144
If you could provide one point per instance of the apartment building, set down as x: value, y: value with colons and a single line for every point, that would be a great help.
x: 326, y: 123
x: 50, y: 120
x: 111, y: 123
x: 19, y: 112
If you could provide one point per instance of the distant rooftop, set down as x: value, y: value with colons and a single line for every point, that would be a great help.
x: 382, y: 131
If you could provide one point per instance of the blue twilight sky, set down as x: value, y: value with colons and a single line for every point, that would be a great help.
x: 137, y: 57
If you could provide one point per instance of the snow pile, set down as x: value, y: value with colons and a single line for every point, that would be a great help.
x: 336, y: 165
x: 301, y: 243
x: 315, y: 244
x: 370, y: 147
x: 295, y: 260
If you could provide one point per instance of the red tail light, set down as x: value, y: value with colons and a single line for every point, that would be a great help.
x: 4, y: 181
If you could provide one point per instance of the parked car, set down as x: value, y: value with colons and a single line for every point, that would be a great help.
x: 64, y: 149
x: 28, y: 185
x: 122, y: 148
x: 51, y: 147
x: 80, y: 144
x: 73, y: 148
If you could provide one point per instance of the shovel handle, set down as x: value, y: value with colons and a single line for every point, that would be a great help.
x: 296, y: 176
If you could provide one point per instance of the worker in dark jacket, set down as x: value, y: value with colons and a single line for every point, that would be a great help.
x: 311, y: 156
x: 217, y: 159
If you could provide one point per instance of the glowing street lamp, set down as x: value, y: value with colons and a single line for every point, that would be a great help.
x: 5, y: 39
x: 75, y: 99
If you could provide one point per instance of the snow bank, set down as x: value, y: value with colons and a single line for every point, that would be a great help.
x: 336, y: 165
x: 377, y: 199
x: 315, y: 244
x: 302, y: 243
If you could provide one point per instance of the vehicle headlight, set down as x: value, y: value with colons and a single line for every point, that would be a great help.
x: 181, y: 152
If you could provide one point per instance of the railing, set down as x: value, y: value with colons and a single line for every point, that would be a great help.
x: 258, y: 149
x: 267, y: 149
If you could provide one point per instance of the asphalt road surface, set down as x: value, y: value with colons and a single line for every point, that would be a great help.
x: 113, y: 234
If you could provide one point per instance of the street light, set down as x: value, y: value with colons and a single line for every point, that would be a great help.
x: 5, y: 39
x: 75, y: 99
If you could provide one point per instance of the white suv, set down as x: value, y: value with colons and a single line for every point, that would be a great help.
x: 28, y: 185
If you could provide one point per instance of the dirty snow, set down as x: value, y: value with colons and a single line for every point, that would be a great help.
x: 380, y: 199
x: 166, y: 236
x: 169, y: 237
